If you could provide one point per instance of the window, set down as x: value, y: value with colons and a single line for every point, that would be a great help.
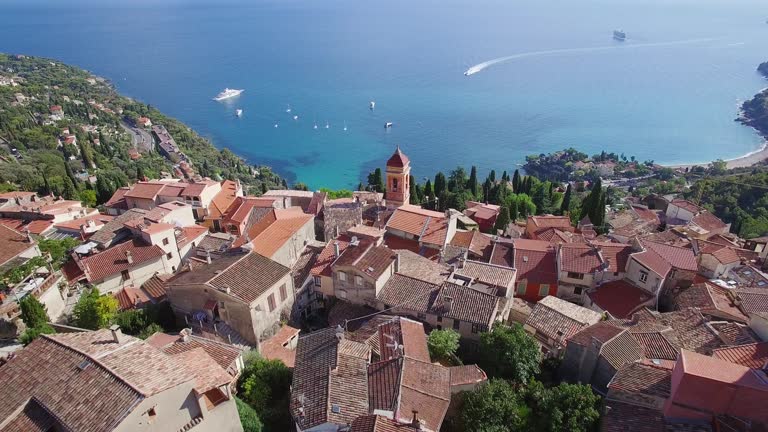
x: 359, y: 280
x: 271, y: 300
x: 421, y: 316
x: 394, y: 185
x: 317, y: 281
x: 342, y: 294
x: 165, y: 241
x: 456, y: 324
x: 577, y: 290
x: 643, y: 276
x: 169, y: 255
x: 125, y: 275
x: 342, y: 276
x: 439, y: 318
x: 477, y: 328
x: 521, y: 287
x: 543, y: 290
x: 283, y: 293
x: 573, y: 275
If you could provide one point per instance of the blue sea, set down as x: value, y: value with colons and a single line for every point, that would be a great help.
x: 669, y: 93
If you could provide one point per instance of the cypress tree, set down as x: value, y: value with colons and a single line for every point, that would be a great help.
x: 429, y: 195
x: 566, y: 204
x: 472, y: 182
x: 502, y: 220
x: 360, y: 186
x: 504, y: 177
x: 439, y: 184
x: 492, y: 176
x: 33, y: 312
x: 70, y: 174
x: 513, y: 213
x: 516, y: 181
x: 69, y: 192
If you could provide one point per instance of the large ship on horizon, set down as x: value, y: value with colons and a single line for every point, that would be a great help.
x: 619, y: 35
x: 228, y: 93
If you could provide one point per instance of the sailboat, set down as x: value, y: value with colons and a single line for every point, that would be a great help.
x: 327, y: 126
x: 276, y: 125
x: 345, y: 125
x: 372, y: 105
x: 288, y: 110
x: 295, y: 117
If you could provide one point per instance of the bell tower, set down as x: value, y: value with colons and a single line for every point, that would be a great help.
x: 398, y: 179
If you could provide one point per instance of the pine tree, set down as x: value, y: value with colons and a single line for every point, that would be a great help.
x: 33, y: 312
x: 502, y: 221
x: 513, y: 213
x: 566, y: 204
x: 376, y: 181
x: 472, y: 182
x: 492, y: 176
x: 70, y: 174
x: 70, y: 191
x: 487, y: 189
x: 429, y: 195
x: 360, y: 187
x: 504, y: 177
x: 516, y: 183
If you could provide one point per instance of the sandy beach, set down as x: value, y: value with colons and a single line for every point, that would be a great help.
x: 747, y: 160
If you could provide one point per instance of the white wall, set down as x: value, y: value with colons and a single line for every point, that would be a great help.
x: 137, y: 276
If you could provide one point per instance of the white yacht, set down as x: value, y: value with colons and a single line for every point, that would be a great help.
x: 239, y: 112
x: 345, y: 125
x: 327, y: 126
x: 295, y: 117
x: 372, y: 105
x: 228, y: 93
x: 388, y: 125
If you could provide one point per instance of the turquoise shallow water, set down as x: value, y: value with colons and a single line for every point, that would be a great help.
x: 669, y: 93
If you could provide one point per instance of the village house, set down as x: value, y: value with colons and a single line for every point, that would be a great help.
x: 552, y: 321
x: 242, y: 293
x: 619, y: 299
x: 536, y: 225
x: 128, y: 264
x: 8, y: 199
x: 426, y: 232
x: 81, y: 229
x: 476, y: 245
x: 47, y: 384
x: 717, y: 260
x: 15, y: 248
x: 38, y: 215
x: 291, y: 198
x: 362, y: 270
x: 342, y: 378
x: 144, y: 122
x: 484, y: 214
x: 682, y: 210
x: 759, y: 245
x: 284, y: 239
x: 166, y: 144
x: 536, y: 265
x: 221, y: 202
x: 337, y: 216
x: 238, y: 216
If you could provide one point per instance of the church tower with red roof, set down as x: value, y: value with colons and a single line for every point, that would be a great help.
x: 398, y: 179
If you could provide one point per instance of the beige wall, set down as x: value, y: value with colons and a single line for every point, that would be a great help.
x: 138, y: 275
x: 366, y: 293
x: 146, y: 204
x: 678, y: 213
x: 53, y: 300
x: 290, y: 251
x: 653, y: 282
x: 760, y: 326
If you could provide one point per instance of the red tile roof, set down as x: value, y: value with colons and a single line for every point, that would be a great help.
x: 398, y: 159
x: 143, y: 190
x: 37, y: 227
x: 655, y: 345
x: 113, y: 260
x: 653, y: 261
x: 367, y: 258
x: 619, y: 298
x: 579, y: 258
x: 327, y: 257
x: 427, y: 226
x: 275, y: 347
x: 549, y: 221
x: 558, y: 319
x: 709, y: 222
x: 12, y: 243
x: 131, y: 298
x: 678, y: 257
x: 118, y: 198
x: 615, y: 254
x: 687, y: 205
x: 642, y: 378
x: 753, y: 355
x: 467, y: 374
x: 156, y: 287
x: 535, y: 261
x: 278, y: 233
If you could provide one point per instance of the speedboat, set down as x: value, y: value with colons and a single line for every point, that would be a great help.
x: 372, y: 105
x: 327, y: 126
x: 239, y: 112
x: 295, y: 117
x: 388, y: 125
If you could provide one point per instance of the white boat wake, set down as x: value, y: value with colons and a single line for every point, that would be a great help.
x: 486, y: 64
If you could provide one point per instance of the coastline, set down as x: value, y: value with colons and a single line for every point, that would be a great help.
x: 747, y: 160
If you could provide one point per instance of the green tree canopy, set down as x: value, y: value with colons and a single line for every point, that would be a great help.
x: 571, y: 407
x: 494, y: 407
x: 503, y: 220
x: 94, y: 311
x: 510, y: 353
x: 265, y: 386
x: 248, y: 416
x: 443, y: 344
x: 33, y: 313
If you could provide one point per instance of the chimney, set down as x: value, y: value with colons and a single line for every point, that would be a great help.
x: 397, y: 262
x: 336, y: 231
x: 339, y: 333
x: 415, y: 421
x: 117, y: 334
x: 29, y: 236
x: 207, y: 256
x: 447, y: 303
x: 129, y: 257
x: 336, y: 249
x: 185, y: 334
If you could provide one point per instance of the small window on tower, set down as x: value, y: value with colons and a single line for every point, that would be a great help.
x: 394, y: 185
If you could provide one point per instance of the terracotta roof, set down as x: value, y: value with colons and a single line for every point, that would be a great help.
x: 144, y: 190
x: 467, y: 374
x: 37, y: 227
x: 197, y: 188
x: 303, y: 266
x: 615, y: 254
x: 409, y: 293
x: 240, y: 209
x: 190, y: 234
x: 248, y: 275
x: 118, y: 198
x: 259, y: 220
x: 687, y: 205
x: 619, y: 298
x: 207, y: 374
x: 222, y: 200
x: 476, y: 242
x: 753, y: 300
x: 419, y: 267
x: 114, y: 260
x: 275, y: 347
x: 156, y: 287
x: 602, y: 332
x: 753, y: 355
x: 549, y: 221
x: 489, y: 274
x: 467, y: 304
x: 223, y: 354
x: 48, y: 371
x: 558, y: 319
x: 367, y: 258
x: 553, y: 235
x: 711, y: 300
x: 289, y: 193
x: 12, y: 243
x: 131, y: 298
x: 427, y: 226
x: 398, y: 159
x: 655, y: 345
x: 625, y: 417
x: 277, y: 234
x: 579, y: 258
x: 678, y: 257
x: 644, y: 379
x: 110, y: 230
x: 653, y: 261
x: 327, y: 257
x: 503, y: 254
x: 535, y: 261
x: 720, y: 370
x: 76, y: 224
x: 708, y: 221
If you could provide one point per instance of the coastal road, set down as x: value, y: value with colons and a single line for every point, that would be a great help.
x: 140, y: 138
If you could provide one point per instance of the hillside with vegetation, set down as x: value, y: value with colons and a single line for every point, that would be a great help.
x: 44, y: 103
x: 754, y: 112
